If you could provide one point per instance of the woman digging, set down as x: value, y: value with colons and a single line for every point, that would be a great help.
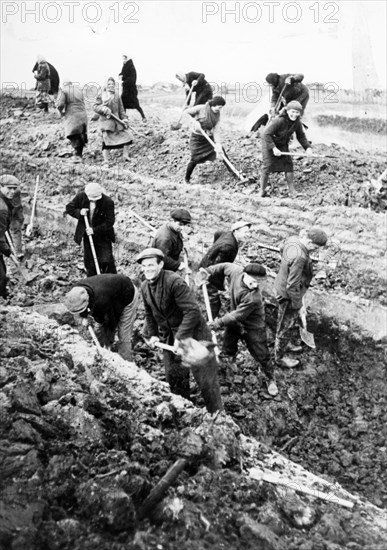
x: 113, y: 122
x: 275, y: 141
x: 207, y: 118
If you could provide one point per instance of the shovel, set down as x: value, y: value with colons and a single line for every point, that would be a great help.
x: 25, y: 275
x: 31, y: 224
x: 95, y: 340
x: 186, y: 277
x: 210, y: 318
x: 148, y: 225
x: 177, y: 125
x: 309, y: 156
x: 306, y: 337
x: 264, y: 119
x: 225, y: 159
x: 92, y: 246
x: 112, y: 115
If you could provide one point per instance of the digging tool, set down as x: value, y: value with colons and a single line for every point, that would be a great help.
x: 306, y: 337
x: 95, y: 339
x: 112, y: 115
x: 264, y: 119
x: 92, y: 245
x: 309, y: 156
x: 186, y: 277
x: 273, y: 477
x: 210, y: 318
x: 177, y: 126
x: 268, y: 247
x: 148, y: 225
x: 13, y: 257
x: 225, y: 159
x: 31, y: 224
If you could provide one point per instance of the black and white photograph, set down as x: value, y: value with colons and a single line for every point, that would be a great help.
x: 193, y: 275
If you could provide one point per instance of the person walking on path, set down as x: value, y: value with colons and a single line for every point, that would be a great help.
x: 129, y: 95
x: 292, y: 282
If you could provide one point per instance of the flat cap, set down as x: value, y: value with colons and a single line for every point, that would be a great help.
x: 257, y: 271
x: 296, y: 105
x: 317, y: 236
x: 239, y: 225
x: 9, y: 181
x: 77, y: 299
x: 93, y: 191
x: 181, y: 215
x: 150, y: 253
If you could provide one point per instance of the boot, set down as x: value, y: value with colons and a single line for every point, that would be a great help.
x: 264, y: 181
x: 290, y: 180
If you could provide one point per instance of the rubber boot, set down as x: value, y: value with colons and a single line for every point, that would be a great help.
x: 290, y: 181
x: 264, y: 182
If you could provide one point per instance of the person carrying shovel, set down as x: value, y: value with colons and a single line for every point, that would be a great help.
x: 198, y: 83
x: 112, y: 301
x: 275, y: 141
x: 292, y: 282
x: 285, y: 88
x: 246, y: 319
x: 172, y: 316
x: 94, y: 209
x: 9, y: 185
x: 207, y: 118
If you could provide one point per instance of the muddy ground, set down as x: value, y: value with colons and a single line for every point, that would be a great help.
x: 81, y: 488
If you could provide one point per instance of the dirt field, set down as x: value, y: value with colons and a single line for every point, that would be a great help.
x: 81, y: 447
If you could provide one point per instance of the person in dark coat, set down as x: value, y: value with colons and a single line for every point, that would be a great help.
x: 275, y: 140
x: 112, y: 301
x: 292, y: 282
x: 224, y: 249
x: 172, y: 315
x: 129, y: 89
x: 54, y: 79
x: 71, y: 105
x: 43, y: 83
x: 207, y: 118
x: 291, y: 87
x: 17, y: 221
x: 9, y: 185
x: 246, y: 319
x: 202, y: 89
x: 169, y: 239
x: 100, y: 213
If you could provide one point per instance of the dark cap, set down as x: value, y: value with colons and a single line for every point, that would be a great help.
x: 9, y: 181
x: 317, y: 236
x: 181, y: 215
x: 272, y: 78
x: 150, y: 253
x: 296, y: 105
x: 257, y: 271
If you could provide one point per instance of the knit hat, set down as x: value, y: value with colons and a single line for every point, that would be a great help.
x: 317, y: 236
x: 239, y: 225
x: 93, y: 191
x: 77, y: 299
x: 257, y: 271
x: 181, y: 215
x: 150, y: 253
x: 272, y: 78
x: 9, y: 181
x: 296, y: 105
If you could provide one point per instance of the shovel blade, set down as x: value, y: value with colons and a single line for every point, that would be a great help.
x: 307, y: 338
x: 262, y: 121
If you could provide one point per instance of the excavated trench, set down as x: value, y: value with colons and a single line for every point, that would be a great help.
x: 330, y: 415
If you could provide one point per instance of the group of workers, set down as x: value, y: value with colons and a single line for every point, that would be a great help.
x: 289, y: 97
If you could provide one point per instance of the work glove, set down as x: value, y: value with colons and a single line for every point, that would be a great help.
x: 84, y: 211
x: 152, y: 341
x: 276, y: 152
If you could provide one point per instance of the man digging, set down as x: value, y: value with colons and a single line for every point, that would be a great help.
x: 246, y: 320
x: 9, y: 185
x: 172, y: 316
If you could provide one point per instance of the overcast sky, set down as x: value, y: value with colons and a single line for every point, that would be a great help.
x: 85, y: 40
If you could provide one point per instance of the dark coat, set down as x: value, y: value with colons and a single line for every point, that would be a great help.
x: 278, y: 134
x: 247, y: 307
x: 5, y: 220
x: 224, y: 249
x: 202, y: 89
x: 171, y: 309
x: 71, y: 104
x: 43, y: 82
x: 54, y: 78
x: 102, y: 221
x: 171, y: 243
x: 295, y: 272
x: 296, y: 91
x: 129, y: 88
x: 108, y: 296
